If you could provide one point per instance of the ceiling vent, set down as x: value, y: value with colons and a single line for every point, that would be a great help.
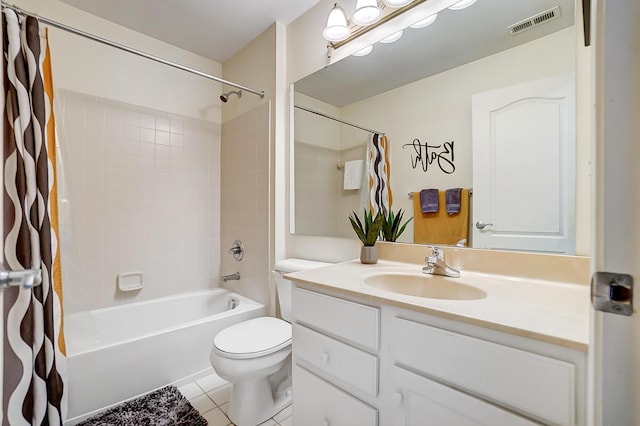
x: 534, y: 21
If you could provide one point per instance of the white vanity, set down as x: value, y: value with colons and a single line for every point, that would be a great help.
x: 512, y: 353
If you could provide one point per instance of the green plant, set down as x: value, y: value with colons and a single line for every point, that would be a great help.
x: 367, y: 229
x: 391, y: 228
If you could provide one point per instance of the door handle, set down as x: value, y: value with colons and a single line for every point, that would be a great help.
x: 481, y: 225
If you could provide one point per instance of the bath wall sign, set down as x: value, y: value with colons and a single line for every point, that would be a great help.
x: 425, y: 156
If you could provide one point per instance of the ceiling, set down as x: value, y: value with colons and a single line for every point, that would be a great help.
x: 454, y: 39
x: 215, y: 29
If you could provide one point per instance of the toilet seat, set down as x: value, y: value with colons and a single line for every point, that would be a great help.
x: 253, y: 338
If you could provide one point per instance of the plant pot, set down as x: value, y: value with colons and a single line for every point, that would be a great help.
x: 369, y: 254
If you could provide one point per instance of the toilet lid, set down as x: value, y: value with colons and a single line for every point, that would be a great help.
x: 254, y: 336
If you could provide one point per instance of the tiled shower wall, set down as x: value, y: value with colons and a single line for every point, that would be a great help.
x: 245, y: 209
x: 322, y: 206
x: 139, y: 192
x: 317, y: 189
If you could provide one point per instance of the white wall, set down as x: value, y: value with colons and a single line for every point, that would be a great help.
x: 88, y: 67
x: 314, y: 129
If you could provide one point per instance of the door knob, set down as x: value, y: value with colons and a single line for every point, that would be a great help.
x: 481, y: 225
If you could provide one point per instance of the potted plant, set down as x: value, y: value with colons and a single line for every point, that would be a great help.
x: 367, y: 231
x: 391, y: 228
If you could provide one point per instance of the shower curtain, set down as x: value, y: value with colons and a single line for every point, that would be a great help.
x: 377, y: 169
x: 34, y: 352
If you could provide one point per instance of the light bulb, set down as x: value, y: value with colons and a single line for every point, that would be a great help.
x: 397, y: 3
x: 367, y: 12
x: 391, y: 38
x: 337, y: 28
x: 364, y: 51
x: 425, y: 22
x: 462, y: 4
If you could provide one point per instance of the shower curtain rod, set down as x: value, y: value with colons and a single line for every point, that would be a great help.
x: 337, y: 119
x: 127, y: 49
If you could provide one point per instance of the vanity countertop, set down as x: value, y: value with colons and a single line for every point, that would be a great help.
x: 549, y: 311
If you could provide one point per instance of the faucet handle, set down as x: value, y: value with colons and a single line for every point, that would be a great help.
x: 436, y: 252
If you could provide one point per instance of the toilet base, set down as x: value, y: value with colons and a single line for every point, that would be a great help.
x: 259, y: 396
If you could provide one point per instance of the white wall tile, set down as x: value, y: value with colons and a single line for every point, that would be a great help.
x: 136, y: 201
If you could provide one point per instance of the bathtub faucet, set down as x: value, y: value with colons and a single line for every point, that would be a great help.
x: 231, y: 277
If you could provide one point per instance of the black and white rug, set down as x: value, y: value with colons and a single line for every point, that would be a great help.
x: 164, y: 407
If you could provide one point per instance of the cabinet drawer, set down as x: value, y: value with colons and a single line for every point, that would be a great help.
x: 420, y: 401
x: 539, y: 386
x: 349, y: 320
x: 346, y: 363
x: 319, y: 403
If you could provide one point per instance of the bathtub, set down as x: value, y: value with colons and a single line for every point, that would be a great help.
x: 120, y: 352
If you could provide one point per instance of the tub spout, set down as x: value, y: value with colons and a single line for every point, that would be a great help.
x: 231, y: 277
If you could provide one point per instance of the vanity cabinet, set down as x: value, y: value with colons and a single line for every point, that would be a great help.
x: 335, y: 362
x: 357, y: 362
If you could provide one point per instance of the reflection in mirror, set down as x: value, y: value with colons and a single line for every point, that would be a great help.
x: 422, y: 92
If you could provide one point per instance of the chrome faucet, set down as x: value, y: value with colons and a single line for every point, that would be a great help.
x: 436, y: 264
x: 231, y: 277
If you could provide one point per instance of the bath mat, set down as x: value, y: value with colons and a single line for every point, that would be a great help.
x: 164, y: 407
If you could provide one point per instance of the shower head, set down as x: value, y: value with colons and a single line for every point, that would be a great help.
x: 225, y: 96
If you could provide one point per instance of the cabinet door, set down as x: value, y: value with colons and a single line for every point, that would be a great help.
x: 536, y: 385
x: 318, y: 403
x: 418, y: 401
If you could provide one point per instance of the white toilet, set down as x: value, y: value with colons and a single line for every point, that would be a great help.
x: 255, y: 356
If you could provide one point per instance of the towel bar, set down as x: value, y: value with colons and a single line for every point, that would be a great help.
x: 410, y: 194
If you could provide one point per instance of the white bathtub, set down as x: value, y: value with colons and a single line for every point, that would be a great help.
x: 120, y: 352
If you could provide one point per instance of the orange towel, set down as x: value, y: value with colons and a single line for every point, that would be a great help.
x: 440, y: 227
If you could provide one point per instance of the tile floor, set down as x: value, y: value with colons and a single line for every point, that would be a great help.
x: 210, y: 396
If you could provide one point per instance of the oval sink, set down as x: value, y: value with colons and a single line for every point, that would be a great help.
x: 424, y: 285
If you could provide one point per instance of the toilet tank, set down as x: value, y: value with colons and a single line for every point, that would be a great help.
x: 284, y: 286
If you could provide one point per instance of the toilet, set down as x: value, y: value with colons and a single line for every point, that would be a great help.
x: 255, y: 356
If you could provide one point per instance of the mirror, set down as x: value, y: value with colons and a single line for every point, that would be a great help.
x: 418, y: 91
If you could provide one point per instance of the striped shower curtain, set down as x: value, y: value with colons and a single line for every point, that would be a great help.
x: 378, y: 168
x: 34, y: 390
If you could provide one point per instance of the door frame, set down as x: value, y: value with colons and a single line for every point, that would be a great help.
x: 614, y: 365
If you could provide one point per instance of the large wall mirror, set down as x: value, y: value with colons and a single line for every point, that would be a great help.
x: 460, y: 102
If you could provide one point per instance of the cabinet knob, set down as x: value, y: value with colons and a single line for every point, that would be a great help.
x: 396, y: 397
x: 325, y: 357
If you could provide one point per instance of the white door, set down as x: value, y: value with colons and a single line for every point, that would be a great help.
x: 615, y: 343
x: 524, y: 150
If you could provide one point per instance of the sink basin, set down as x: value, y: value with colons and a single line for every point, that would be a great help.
x: 425, y: 285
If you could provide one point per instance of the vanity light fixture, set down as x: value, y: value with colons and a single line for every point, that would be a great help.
x: 397, y: 3
x: 367, y: 12
x: 391, y: 38
x: 370, y: 14
x: 337, y: 28
x: 364, y: 51
x: 462, y: 4
x: 425, y: 22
